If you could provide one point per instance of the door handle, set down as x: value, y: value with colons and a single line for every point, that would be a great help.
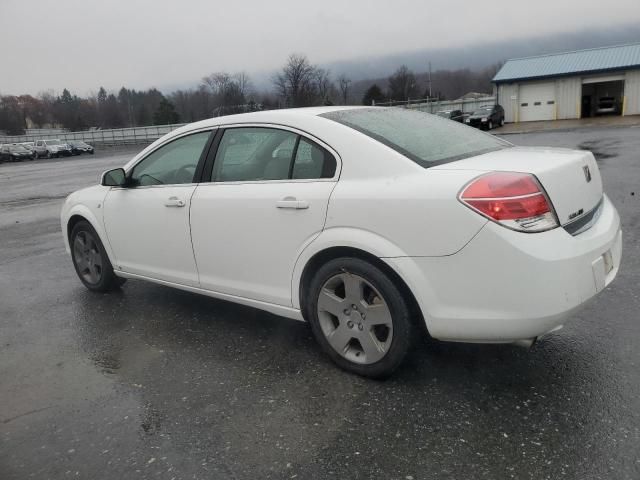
x: 174, y: 202
x: 292, y: 202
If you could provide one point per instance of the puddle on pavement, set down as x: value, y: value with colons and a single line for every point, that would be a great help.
x: 601, y: 149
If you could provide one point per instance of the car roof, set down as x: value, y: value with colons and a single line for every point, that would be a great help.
x: 268, y: 116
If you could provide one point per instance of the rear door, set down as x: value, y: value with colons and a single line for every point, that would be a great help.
x: 267, y: 199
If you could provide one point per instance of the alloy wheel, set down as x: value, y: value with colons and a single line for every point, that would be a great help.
x: 355, y: 319
x: 87, y: 257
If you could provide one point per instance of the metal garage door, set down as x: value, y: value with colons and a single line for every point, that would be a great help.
x: 537, y: 101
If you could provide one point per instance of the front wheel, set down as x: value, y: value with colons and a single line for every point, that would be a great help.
x: 359, y: 317
x: 90, y: 259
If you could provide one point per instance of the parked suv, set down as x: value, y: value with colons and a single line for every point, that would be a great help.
x: 486, y: 118
x: 52, y: 148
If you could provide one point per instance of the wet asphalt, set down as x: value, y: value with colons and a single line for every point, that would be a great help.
x: 152, y: 382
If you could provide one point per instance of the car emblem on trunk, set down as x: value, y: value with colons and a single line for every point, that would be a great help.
x: 587, y: 173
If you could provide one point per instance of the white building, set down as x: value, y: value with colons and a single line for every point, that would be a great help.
x: 578, y: 84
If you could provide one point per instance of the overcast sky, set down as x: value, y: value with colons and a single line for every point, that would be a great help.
x: 82, y: 44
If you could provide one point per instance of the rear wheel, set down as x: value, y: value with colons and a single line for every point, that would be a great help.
x: 90, y: 259
x: 359, y: 317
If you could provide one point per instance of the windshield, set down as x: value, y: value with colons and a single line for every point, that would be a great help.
x: 424, y: 138
x: 17, y: 148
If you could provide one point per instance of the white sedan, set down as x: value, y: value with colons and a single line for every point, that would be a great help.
x: 366, y: 222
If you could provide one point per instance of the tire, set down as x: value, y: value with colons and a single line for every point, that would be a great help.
x: 90, y: 259
x: 48, y: 154
x: 340, y: 324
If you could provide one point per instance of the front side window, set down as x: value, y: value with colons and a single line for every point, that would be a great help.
x: 426, y: 139
x: 171, y: 164
x: 259, y: 153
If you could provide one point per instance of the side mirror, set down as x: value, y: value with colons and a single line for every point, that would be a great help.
x: 114, y: 178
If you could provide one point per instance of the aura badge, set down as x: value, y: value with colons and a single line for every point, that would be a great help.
x: 587, y: 173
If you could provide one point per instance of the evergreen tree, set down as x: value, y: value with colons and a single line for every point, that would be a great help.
x: 165, y: 114
x: 373, y: 94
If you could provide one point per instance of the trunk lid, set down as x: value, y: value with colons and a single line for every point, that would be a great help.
x: 571, y: 178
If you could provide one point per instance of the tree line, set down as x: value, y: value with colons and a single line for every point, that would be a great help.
x: 298, y: 83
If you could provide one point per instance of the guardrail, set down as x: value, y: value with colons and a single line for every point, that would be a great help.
x: 141, y: 135
x: 429, y: 105
x: 117, y: 136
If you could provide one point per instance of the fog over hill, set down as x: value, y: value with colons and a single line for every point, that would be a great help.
x: 473, y: 57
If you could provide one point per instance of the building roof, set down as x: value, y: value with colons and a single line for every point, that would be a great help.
x: 619, y: 57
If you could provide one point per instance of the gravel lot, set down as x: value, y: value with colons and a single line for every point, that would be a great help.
x: 156, y: 383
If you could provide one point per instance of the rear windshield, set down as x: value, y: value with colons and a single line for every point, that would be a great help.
x: 426, y: 139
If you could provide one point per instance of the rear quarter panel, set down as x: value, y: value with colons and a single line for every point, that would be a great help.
x: 417, y: 213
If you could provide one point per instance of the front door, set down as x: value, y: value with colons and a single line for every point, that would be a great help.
x: 147, y: 222
x: 267, y: 200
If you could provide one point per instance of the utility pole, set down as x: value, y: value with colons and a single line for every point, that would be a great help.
x: 430, y: 95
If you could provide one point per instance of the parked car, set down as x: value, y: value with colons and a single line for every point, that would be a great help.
x: 486, y: 117
x: 52, y: 148
x: 15, y: 153
x: 370, y: 223
x: 78, y: 147
x: 29, y: 146
x: 455, y: 115
x: 607, y: 105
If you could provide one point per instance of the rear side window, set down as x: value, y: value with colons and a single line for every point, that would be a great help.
x: 424, y: 138
x: 312, y: 161
x: 260, y: 153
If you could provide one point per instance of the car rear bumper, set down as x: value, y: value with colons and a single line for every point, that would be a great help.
x: 506, y: 286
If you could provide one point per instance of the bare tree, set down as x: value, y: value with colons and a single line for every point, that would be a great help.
x: 402, y: 84
x: 228, y: 91
x: 344, y: 83
x: 294, y: 83
x: 323, y: 85
x: 244, y: 83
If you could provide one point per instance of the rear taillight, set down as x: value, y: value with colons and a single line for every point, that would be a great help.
x: 514, y: 200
